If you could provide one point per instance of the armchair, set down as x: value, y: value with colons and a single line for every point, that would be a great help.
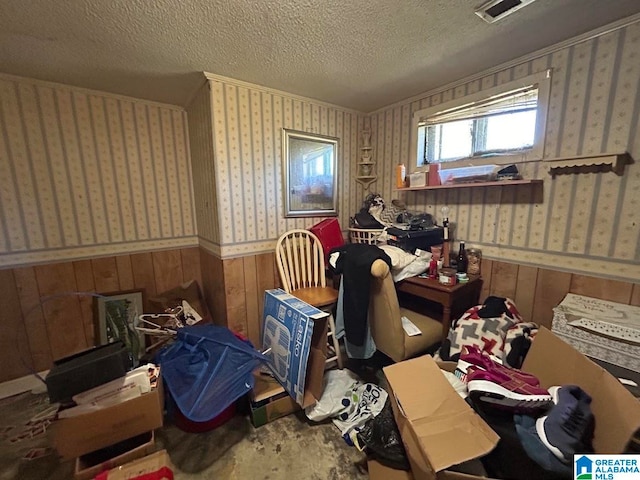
x: 384, y: 319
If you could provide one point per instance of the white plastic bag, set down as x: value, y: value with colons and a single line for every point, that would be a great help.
x: 336, y: 384
x: 363, y: 402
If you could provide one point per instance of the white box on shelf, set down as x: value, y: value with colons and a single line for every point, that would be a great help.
x: 418, y: 179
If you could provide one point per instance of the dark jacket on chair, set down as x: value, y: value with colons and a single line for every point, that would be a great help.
x: 354, y: 263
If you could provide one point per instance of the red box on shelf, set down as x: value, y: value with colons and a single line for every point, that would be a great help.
x: 330, y: 235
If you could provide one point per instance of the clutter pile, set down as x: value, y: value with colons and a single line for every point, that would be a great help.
x: 205, y: 369
x: 505, y: 399
x: 502, y: 398
x: 376, y: 213
x: 362, y: 413
x: 542, y: 428
x: 123, y: 412
x: 349, y: 402
x: 180, y: 307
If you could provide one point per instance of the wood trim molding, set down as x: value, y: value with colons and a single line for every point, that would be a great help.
x: 89, y: 91
x: 69, y: 254
x: 604, y: 162
x: 273, y: 91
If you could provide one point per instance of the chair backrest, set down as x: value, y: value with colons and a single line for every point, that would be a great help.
x: 384, y: 313
x: 300, y: 260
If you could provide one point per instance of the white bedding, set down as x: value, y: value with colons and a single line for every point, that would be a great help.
x: 405, y: 264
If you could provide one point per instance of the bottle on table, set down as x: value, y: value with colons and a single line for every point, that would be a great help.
x: 401, y: 172
x: 474, y: 257
x: 462, y: 259
x: 445, y: 243
x: 433, y: 268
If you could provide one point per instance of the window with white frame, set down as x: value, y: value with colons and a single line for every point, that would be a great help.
x: 504, y: 124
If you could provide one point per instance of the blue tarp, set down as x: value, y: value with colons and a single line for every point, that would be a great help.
x: 206, y: 369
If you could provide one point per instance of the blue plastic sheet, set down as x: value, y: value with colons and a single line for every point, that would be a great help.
x: 206, y: 369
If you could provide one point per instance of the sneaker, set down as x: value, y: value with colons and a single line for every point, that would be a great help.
x: 473, y: 356
x: 498, y: 388
x: 525, y: 426
x: 568, y: 427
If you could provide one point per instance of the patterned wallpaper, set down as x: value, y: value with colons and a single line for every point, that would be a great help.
x: 85, y: 174
x: 203, y: 165
x: 247, y: 136
x: 587, y: 222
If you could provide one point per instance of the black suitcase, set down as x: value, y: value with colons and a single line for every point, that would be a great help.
x: 85, y: 370
x: 409, y: 240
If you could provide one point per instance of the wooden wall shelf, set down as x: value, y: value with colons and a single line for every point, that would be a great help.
x: 501, y: 183
x: 366, y: 180
x: 604, y: 162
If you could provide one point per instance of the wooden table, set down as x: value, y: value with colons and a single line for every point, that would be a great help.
x: 460, y: 296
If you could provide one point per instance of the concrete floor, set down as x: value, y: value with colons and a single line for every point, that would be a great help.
x: 287, y: 448
x: 290, y: 447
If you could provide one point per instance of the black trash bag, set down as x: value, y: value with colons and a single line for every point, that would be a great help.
x: 381, y: 437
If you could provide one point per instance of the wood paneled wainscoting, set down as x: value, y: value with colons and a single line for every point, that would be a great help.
x: 43, y: 318
x: 44, y: 315
x: 537, y: 290
x: 234, y: 290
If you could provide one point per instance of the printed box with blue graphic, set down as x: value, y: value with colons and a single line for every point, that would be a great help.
x: 296, y: 334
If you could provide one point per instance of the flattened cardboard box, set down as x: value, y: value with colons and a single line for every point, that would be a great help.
x: 440, y: 430
x: 296, y: 334
x: 75, y: 436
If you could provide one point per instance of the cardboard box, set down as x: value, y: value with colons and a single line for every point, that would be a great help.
x: 377, y: 471
x: 87, y: 468
x: 418, y: 179
x: 149, y: 464
x: 269, y: 401
x: 296, y: 334
x: 75, y: 436
x: 440, y: 430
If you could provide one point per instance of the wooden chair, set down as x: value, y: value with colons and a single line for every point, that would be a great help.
x: 300, y: 260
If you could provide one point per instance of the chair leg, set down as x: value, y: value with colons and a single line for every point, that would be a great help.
x: 334, y: 340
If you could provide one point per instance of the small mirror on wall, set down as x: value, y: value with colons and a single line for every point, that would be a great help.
x: 310, y: 174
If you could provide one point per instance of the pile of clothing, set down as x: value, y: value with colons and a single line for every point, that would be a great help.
x: 496, y: 327
x: 378, y: 214
x: 540, y: 429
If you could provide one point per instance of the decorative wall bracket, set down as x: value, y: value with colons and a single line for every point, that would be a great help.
x: 366, y: 166
x: 604, y: 162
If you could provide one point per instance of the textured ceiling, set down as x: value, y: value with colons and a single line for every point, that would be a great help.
x: 362, y: 54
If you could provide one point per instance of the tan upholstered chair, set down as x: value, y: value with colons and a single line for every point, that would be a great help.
x: 385, y: 318
x: 300, y: 260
